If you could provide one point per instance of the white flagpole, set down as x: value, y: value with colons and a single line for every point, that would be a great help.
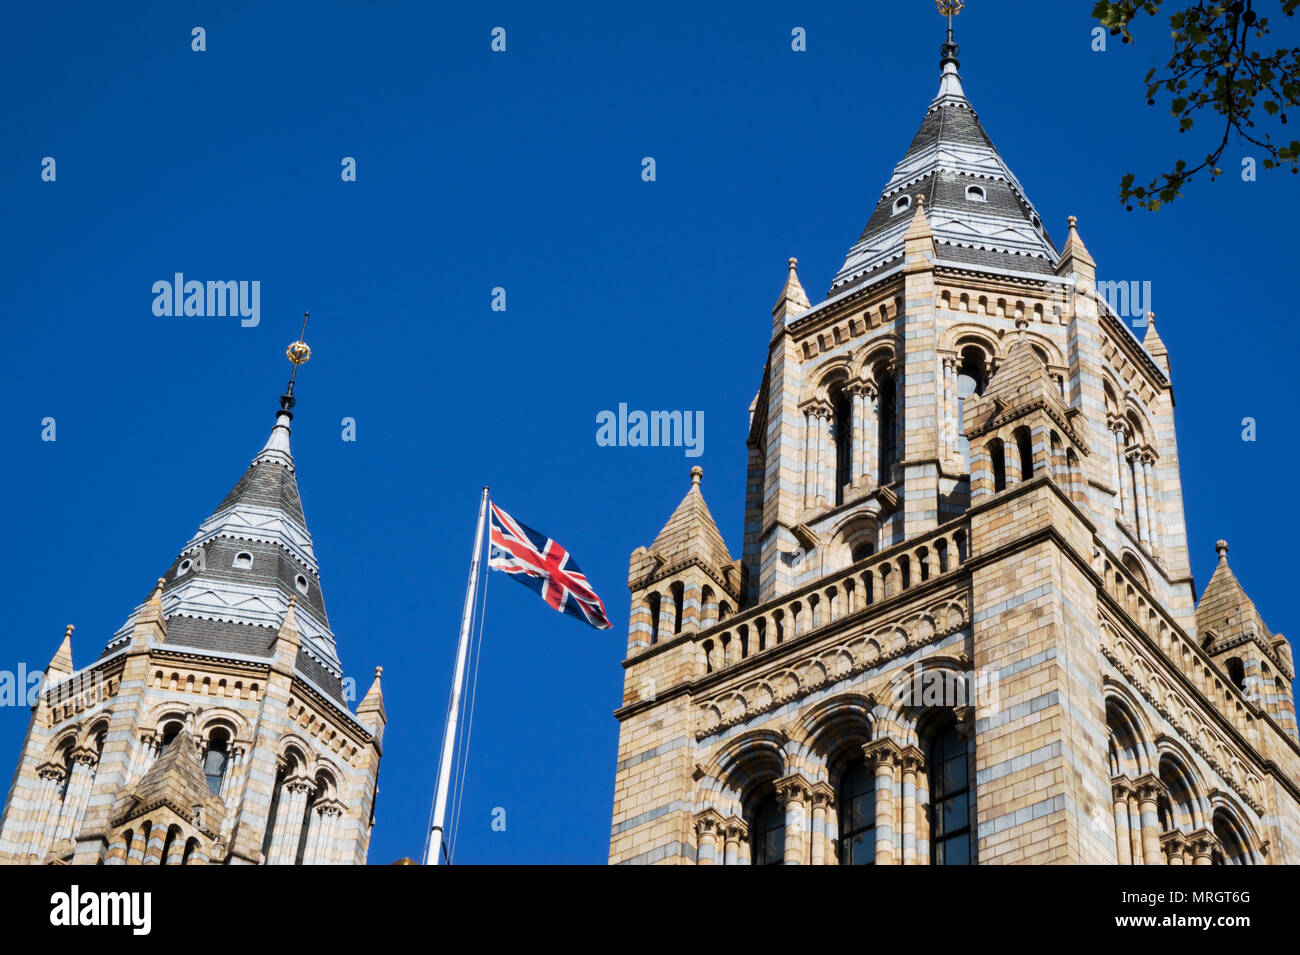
x: 433, y: 855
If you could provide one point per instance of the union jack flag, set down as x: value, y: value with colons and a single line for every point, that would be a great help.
x: 541, y: 564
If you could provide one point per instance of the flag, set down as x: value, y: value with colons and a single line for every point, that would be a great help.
x: 540, y: 563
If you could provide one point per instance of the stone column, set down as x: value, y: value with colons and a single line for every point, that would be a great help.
x: 1140, y: 492
x: 1121, y: 478
x: 320, y: 841
x: 910, y: 761
x: 1120, y: 789
x: 1153, y: 500
x: 856, y: 463
x: 1135, y: 828
x: 793, y: 793
x: 883, y: 754
x: 827, y: 457
x: 949, y: 425
x: 176, y: 851
x: 708, y: 828
x: 153, y: 849
x: 735, y: 833
x: 1149, y: 788
x: 1203, y: 843
x: 870, y: 433
x: 823, y: 804
x: 47, y: 809
x: 135, y: 855
x: 809, y: 459
x: 1174, y: 846
x: 294, y: 793
x: 116, y: 851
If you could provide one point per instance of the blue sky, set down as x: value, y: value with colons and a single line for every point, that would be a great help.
x: 522, y: 170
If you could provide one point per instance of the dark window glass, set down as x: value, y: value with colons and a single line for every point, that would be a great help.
x: 949, y: 799
x: 214, y: 765
x: 888, y: 436
x: 843, y: 445
x: 767, y: 833
x: 858, y: 816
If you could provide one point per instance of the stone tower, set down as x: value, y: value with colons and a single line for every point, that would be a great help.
x: 963, y: 628
x: 213, y: 728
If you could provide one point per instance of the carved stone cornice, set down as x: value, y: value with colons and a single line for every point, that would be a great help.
x: 1121, y: 787
x: 1149, y: 787
x: 822, y: 794
x: 735, y: 828
x: 882, y: 751
x: 1203, y: 843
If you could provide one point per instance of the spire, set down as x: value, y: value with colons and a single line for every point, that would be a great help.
x: 691, y: 530
x: 949, y: 80
x: 371, y: 711
x: 249, y: 573
x: 793, y: 300
x: 61, y: 663
x: 1225, y: 608
x: 976, y: 207
x: 175, y: 780
x: 1074, y: 256
x: 1155, y: 346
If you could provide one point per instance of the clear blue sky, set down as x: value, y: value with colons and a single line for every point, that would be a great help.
x: 522, y: 170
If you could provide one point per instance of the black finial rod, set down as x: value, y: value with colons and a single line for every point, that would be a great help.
x: 949, y: 50
x: 298, y: 353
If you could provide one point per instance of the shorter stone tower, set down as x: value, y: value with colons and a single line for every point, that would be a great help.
x: 214, y: 727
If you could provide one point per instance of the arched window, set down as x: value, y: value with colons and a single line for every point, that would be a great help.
x: 975, y: 193
x: 306, y: 823
x: 218, y: 756
x: 1237, y: 673
x: 1236, y: 850
x: 857, y: 816
x: 652, y: 602
x: 767, y: 832
x: 862, y: 550
x: 887, y: 422
x: 950, y: 831
x: 901, y: 204
x: 998, y: 459
x: 1025, y: 452
x: 170, y: 731
x: 842, y: 405
x: 678, y: 592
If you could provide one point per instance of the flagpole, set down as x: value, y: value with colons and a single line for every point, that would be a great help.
x: 433, y: 855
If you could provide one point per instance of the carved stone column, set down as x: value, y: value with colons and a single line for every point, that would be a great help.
x: 708, y: 829
x: 1203, y: 842
x: 1140, y: 492
x: 1174, y: 846
x: 911, y: 761
x: 823, y: 804
x: 1153, y: 499
x: 794, y: 792
x: 1149, y: 789
x: 883, y: 755
x: 735, y: 833
x: 1121, y: 789
x: 809, y: 458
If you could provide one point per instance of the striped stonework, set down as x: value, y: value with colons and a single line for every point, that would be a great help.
x: 963, y: 627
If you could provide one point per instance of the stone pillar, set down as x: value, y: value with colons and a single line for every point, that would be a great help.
x: 51, y: 780
x: 1152, y: 499
x: 1121, y: 465
x: 810, y: 459
x: 949, y: 425
x: 870, y: 433
x: 1140, y: 492
x: 1202, y: 843
x: 1149, y: 788
x: 827, y: 458
x: 176, y: 851
x: 735, y: 833
x: 708, y: 828
x: 116, y: 850
x: 154, y: 847
x: 793, y: 793
x: 823, y: 804
x: 1174, y: 846
x: 1135, y: 828
x: 294, y: 793
x: 883, y: 754
x: 910, y: 761
x: 856, y: 465
x: 135, y: 855
x: 1120, y: 790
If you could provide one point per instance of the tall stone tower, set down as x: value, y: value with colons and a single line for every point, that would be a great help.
x: 963, y: 628
x: 213, y: 728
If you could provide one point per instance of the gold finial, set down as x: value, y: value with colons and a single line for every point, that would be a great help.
x: 949, y: 8
x: 298, y: 353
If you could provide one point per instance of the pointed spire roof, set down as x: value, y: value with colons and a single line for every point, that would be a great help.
x: 1225, y: 608
x: 230, y: 588
x: 793, y: 300
x: 1154, y: 344
x: 61, y: 662
x: 175, y: 779
x: 692, y: 531
x: 977, y: 209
